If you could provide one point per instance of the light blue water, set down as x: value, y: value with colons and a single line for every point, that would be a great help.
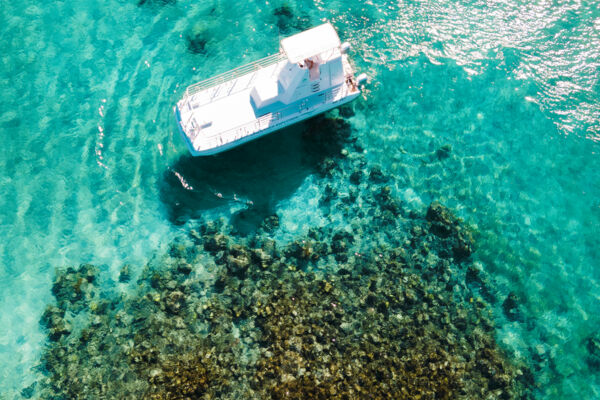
x: 89, y: 148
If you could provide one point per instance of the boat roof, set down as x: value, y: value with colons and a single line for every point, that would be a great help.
x: 311, y: 42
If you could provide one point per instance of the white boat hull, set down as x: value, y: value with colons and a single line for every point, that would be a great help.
x: 310, y: 75
x: 300, y: 116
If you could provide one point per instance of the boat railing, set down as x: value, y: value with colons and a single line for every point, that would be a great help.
x: 234, y: 73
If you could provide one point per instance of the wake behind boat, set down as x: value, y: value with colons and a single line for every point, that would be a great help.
x: 310, y: 75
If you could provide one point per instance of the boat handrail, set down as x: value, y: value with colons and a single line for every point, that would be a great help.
x: 225, y: 137
x: 234, y: 73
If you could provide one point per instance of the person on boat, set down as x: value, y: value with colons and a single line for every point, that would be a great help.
x: 313, y: 69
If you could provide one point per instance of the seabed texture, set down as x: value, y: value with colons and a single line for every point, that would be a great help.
x: 382, y: 310
x: 437, y: 238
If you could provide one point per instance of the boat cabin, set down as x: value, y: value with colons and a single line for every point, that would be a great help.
x: 314, y: 63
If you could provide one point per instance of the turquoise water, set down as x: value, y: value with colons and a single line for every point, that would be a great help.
x: 93, y: 170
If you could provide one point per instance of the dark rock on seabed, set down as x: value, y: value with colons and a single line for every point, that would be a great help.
x: 445, y: 225
x: 124, y: 274
x: 377, y: 308
x: 509, y: 306
x: 196, y: 42
x: 74, y: 288
x: 156, y: 2
x: 287, y: 22
x: 592, y: 344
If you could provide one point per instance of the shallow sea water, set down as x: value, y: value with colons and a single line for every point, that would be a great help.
x: 92, y: 169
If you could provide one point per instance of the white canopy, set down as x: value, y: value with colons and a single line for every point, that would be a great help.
x: 310, y: 43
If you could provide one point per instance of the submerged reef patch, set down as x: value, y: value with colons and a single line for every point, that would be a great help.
x: 379, y: 306
x: 271, y: 323
x: 287, y: 22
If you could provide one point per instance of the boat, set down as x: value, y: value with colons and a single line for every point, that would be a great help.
x: 310, y: 75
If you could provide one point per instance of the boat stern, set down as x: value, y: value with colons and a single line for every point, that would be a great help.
x: 180, y: 128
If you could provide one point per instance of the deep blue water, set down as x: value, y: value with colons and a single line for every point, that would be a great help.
x: 89, y: 147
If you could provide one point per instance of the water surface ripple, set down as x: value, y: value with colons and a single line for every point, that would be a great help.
x: 89, y: 150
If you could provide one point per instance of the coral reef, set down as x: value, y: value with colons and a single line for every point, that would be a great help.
x: 376, y: 306
x: 386, y: 325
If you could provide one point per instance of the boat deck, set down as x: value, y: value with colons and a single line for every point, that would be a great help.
x: 220, y: 114
x: 206, y: 110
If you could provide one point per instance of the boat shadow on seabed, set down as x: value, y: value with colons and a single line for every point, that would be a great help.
x: 258, y: 174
